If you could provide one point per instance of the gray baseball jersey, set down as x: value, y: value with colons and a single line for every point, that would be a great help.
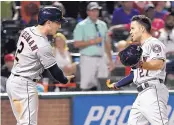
x: 33, y: 55
x: 150, y: 104
x: 152, y: 49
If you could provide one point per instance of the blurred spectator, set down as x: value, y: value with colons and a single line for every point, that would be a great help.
x: 59, y: 5
x: 90, y: 36
x: 170, y: 70
x: 62, y: 55
x: 139, y: 5
x: 3, y: 84
x: 6, y: 69
x: 72, y: 8
x: 124, y: 14
x: 29, y: 12
x: 170, y: 63
x: 121, y: 45
x: 105, y: 16
x: 160, y: 11
x: 64, y: 61
x: 79, y: 18
x: 9, y: 10
x: 149, y: 11
x: 157, y: 23
x: 110, y: 5
x: 172, y: 6
x: 167, y: 33
x: 40, y: 88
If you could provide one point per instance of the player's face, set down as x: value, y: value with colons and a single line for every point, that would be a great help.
x: 93, y: 14
x: 54, y: 27
x: 136, y: 31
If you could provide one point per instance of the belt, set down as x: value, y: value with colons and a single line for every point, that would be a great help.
x: 34, y: 80
x: 146, y: 85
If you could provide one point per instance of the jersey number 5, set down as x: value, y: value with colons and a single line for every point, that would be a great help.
x: 19, y: 50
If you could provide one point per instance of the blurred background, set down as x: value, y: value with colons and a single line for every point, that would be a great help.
x: 16, y: 15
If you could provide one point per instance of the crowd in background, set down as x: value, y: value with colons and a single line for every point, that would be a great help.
x: 116, y: 15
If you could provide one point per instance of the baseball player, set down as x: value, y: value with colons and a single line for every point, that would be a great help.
x: 148, y: 74
x: 33, y: 55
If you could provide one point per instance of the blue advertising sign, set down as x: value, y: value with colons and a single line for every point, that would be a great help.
x: 108, y: 109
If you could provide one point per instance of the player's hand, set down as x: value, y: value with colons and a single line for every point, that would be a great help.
x: 111, y: 85
x: 70, y: 77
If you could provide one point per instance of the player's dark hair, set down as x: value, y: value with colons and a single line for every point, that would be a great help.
x: 144, y: 21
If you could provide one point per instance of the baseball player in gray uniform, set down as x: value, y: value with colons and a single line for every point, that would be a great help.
x: 33, y: 55
x: 148, y: 74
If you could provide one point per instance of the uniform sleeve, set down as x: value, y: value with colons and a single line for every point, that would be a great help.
x: 46, y: 57
x: 146, y: 50
x: 158, y: 51
x: 78, y: 33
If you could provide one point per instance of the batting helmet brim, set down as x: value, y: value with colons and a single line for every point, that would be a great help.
x: 64, y: 20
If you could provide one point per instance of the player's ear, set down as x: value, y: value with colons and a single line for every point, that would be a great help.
x: 48, y: 22
x: 143, y: 29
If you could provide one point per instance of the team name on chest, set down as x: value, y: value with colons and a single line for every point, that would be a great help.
x: 29, y: 40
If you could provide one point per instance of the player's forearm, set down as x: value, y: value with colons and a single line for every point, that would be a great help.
x: 57, y: 74
x: 81, y: 44
x: 153, y: 64
x: 125, y: 81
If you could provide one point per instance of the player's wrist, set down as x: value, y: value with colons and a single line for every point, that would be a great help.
x: 115, y: 86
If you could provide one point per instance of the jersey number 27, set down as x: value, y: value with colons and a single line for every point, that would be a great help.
x: 19, y: 50
x: 142, y: 72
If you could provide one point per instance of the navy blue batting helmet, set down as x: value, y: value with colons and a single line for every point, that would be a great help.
x: 52, y: 14
x: 131, y: 55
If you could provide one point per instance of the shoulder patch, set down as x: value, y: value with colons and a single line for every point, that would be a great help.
x: 156, y: 48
